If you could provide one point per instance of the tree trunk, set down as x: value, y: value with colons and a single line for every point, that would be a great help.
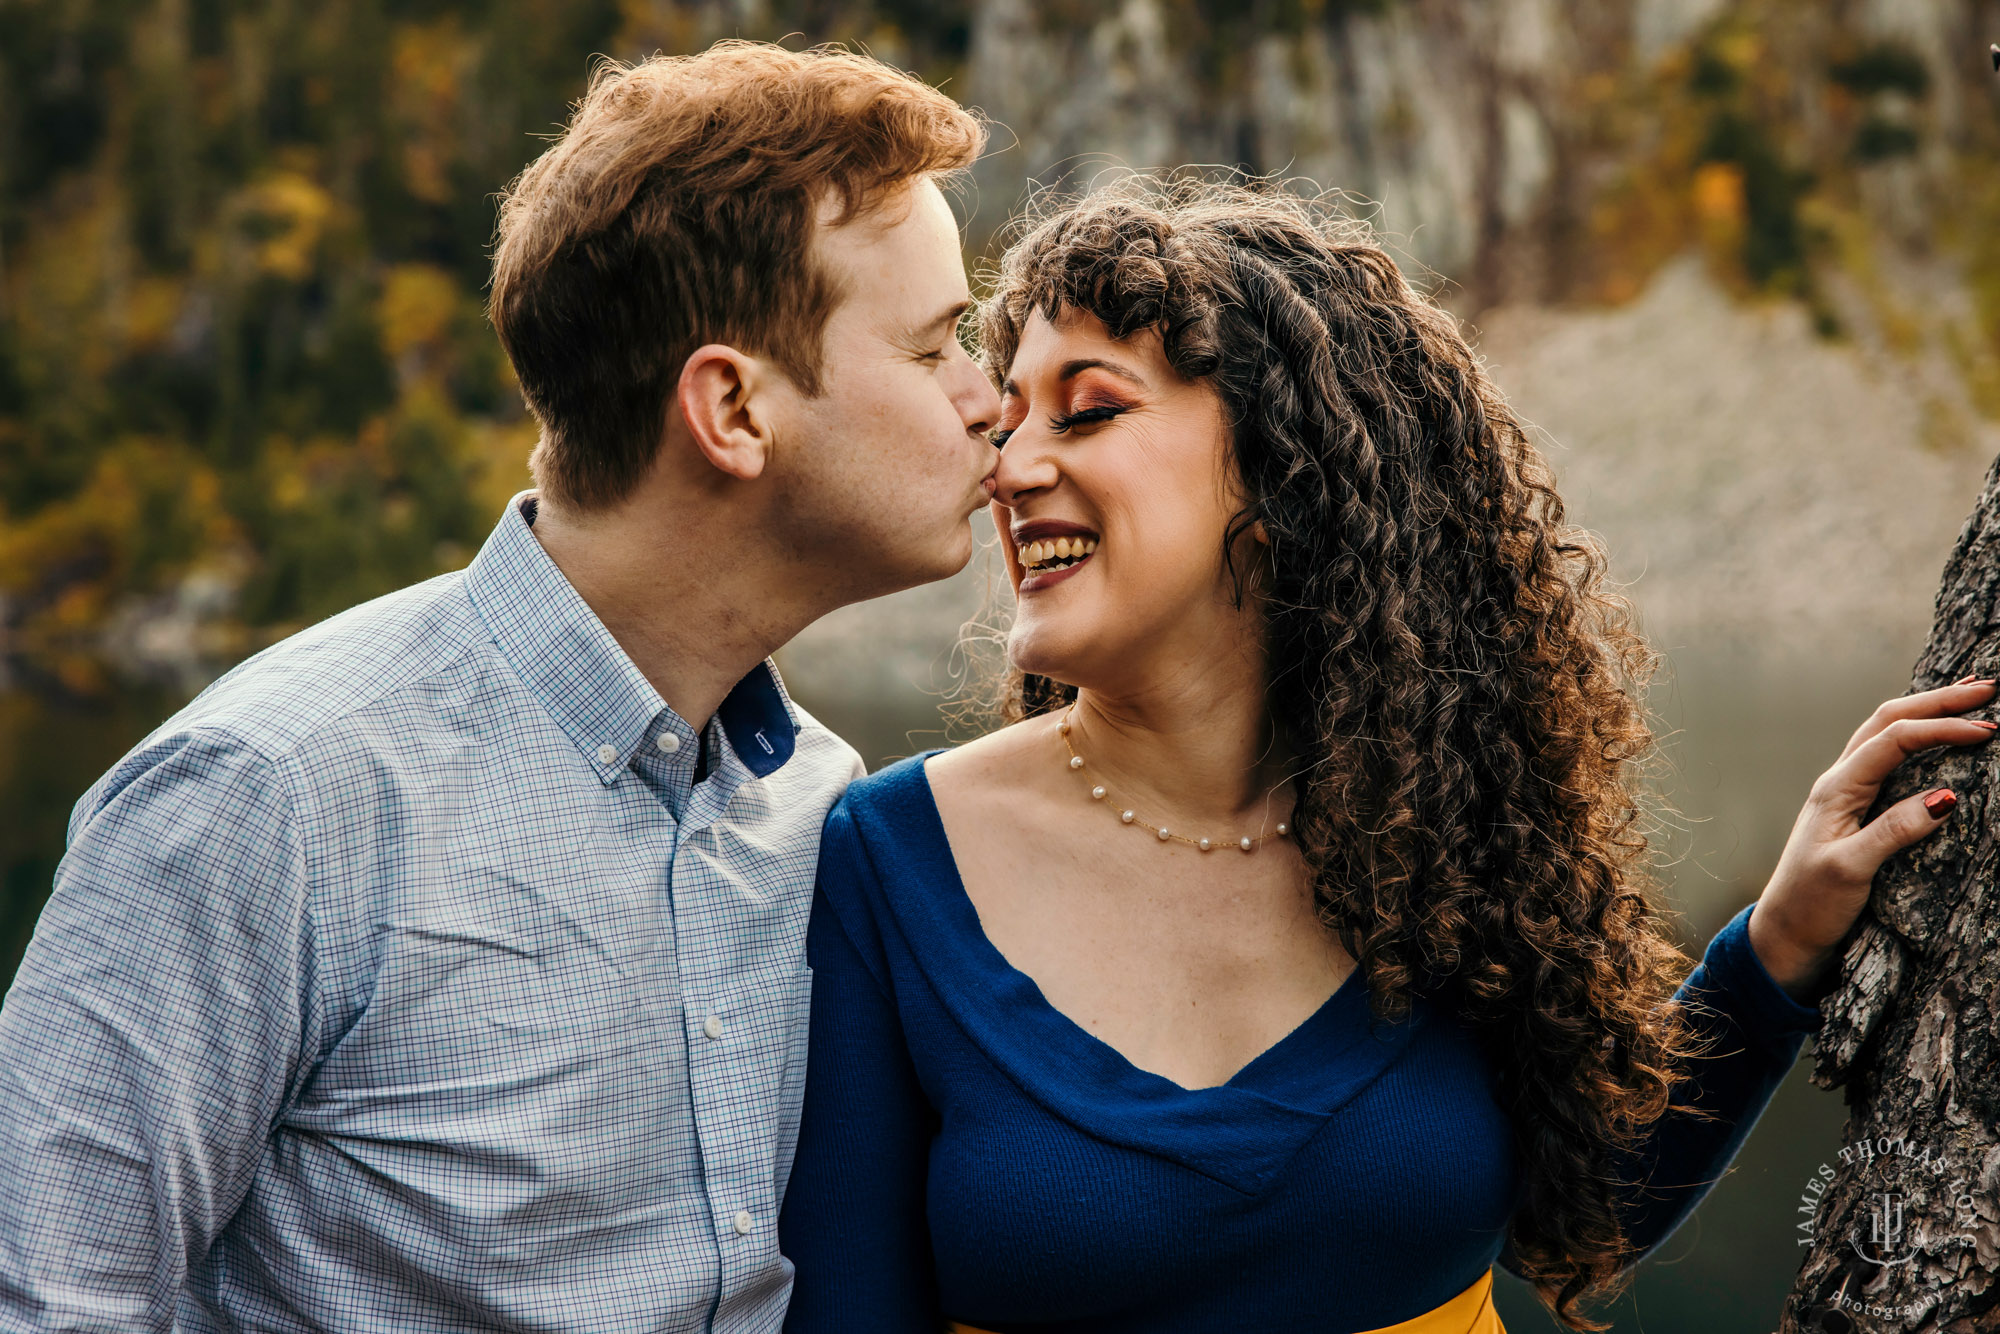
x: 1901, y: 1230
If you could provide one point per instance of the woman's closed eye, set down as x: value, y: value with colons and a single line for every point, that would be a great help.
x: 1089, y: 416
x: 1085, y: 417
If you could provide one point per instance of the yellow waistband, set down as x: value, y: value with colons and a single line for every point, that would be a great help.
x: 1471, y: 1312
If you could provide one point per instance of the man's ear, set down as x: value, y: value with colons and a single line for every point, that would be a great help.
x: 724, y: 397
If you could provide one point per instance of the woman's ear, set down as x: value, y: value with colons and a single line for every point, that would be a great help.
x: 1260, y: 532
x: 722, y: 397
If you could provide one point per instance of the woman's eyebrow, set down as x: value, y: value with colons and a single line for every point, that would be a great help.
x: 1069, y: 370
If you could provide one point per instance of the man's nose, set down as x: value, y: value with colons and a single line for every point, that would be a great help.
x: 980, y: 408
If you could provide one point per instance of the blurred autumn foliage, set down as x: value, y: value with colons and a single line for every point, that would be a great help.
x: 245, y: 377
x: 243, y: 253
x: 241, y: 329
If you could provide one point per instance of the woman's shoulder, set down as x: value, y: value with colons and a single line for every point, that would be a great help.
x: 892, y: 816
x: 898, y: 796
x: 991, y: 767
x: 872, y: 837
x: 883, y: 829
x: 893, y: 792
x: 886, y: 872
x: 885, y: 854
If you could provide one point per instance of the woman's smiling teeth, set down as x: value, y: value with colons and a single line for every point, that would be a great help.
x: 1057, y: 554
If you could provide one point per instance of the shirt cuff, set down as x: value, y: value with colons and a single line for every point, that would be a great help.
x: 1763, y: 1008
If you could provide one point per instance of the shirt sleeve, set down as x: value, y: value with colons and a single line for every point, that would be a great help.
x: 1756, y: 1030
x: 854, y: 1222
x: 151, y: 1036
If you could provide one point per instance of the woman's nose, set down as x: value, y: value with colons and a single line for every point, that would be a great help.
x: 1026, y: 465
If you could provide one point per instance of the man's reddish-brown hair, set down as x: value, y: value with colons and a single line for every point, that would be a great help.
x: 676, y: 210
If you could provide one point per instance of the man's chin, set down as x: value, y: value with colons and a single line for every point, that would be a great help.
x: 922, y: 568
x: 953, y: 562
x: 955, y: 553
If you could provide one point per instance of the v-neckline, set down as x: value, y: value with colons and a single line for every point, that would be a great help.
x: 999, y: 961
x: 1241, y: 1132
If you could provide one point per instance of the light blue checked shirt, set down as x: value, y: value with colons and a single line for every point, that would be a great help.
x: 407, y: 980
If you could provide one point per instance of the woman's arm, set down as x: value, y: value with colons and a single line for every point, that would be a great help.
x: 854, y: 1221
x: 1755, y: 1030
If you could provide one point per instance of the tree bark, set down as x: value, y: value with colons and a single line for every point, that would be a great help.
x: 1901, y: 1230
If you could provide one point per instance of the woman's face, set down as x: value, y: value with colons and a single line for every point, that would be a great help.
x: 1115, y: 490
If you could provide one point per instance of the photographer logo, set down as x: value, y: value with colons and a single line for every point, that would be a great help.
x: 1918, y: 1200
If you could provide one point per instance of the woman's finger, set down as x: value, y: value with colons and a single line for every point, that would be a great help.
x: 1849, y: 787
x: 1944, y: 700
x: 1908, y: 821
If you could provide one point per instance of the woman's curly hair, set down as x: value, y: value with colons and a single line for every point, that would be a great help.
x: 1461, y: 689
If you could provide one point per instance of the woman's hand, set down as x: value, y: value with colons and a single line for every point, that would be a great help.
x: 1829, y: 863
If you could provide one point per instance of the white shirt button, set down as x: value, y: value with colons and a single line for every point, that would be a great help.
x: 607, y: 754
x: 713, y: 1027
x: 743, y: 1223
x: 668, y: 743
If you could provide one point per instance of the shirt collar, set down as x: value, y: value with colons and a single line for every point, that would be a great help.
x: 570, y: 662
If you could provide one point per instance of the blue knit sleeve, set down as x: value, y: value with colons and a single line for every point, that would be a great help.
x: 854, y: 1222
x: 1756, y: 1029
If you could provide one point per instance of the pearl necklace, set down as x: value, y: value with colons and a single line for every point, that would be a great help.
x: 1098, y: 792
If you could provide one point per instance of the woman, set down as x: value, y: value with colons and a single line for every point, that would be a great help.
x: 1289, y: 961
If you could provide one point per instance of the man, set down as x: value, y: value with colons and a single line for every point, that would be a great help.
x: 441, y: 967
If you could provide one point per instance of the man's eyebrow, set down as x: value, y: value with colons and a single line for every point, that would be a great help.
x: 946, y: 317
x: 1069, y: 370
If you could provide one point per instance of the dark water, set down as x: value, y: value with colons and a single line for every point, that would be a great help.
x: 1752, y: 732
x: 54, y: 743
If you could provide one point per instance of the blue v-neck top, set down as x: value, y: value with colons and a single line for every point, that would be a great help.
x: 967, y: 1152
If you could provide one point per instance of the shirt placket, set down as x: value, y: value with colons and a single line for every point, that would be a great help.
x: 722, y: 1012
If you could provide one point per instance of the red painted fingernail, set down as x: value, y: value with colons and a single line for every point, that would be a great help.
x: 1967, y: 679
x: 1981, y: 722
x: 1940, y: 802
